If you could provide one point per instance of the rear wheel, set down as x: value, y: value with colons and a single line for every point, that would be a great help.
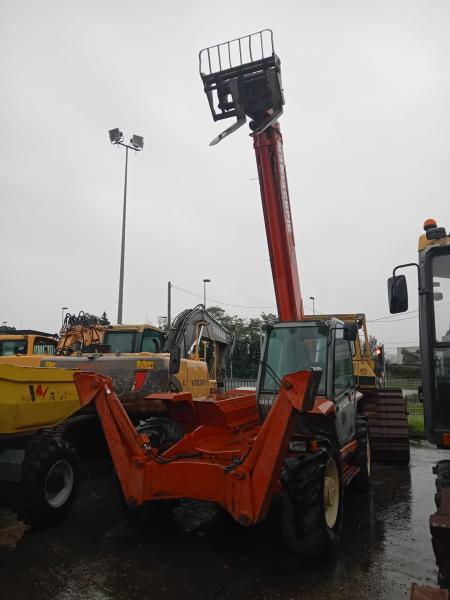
x: 312, y: 503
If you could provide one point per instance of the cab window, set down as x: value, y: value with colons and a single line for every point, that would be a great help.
x: 441, y: 297
x: 120, y: 341
x: 152, y: 341
x: 343, y: 365
x: 11, y: 347
x: 43, y: 346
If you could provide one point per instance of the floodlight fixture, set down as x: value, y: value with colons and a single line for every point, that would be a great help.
x: 205, y: 281
x: 115, y: 136
x: 137, y: 141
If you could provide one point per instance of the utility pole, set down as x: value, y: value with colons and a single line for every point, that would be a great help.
x: 169, y: 304
x: 314, y: 308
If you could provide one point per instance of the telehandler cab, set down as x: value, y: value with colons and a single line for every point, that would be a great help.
x: 300, y: 435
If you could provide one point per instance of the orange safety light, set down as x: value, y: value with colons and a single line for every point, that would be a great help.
x: 446, y: 439
x: 313, y: 446
x: 429, y: 223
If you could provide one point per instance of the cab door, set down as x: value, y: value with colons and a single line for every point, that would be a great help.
x: 344, y: 393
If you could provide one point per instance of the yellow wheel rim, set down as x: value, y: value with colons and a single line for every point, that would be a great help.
x: 331, y: 492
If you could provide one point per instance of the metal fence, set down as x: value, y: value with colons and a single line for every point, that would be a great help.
x: 231, y: 384
x: 409, y: 388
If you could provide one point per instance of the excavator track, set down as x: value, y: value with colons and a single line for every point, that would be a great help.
x: 386, y: 414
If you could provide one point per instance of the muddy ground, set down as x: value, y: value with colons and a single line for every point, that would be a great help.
x: 385, y: 546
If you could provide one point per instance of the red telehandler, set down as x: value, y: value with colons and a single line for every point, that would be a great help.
x: 299, y: 436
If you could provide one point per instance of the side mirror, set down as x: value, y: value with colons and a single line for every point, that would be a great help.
x: 350, y: 331
x: 398, y: 294
x: 175, y: 361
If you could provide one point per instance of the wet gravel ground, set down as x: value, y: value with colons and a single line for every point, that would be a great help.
x: 385, y: 546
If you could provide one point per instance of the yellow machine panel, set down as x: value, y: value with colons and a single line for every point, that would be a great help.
x: 194, y: 378
x: 31, y: 397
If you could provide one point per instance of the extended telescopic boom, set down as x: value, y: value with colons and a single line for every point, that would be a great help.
x: 243, y: 78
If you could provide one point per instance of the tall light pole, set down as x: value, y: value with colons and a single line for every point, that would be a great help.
x: 136, y: 143
x: 169, y: 305
x: 313, y: 298
x: 62, y: 316
x: 205, y: 281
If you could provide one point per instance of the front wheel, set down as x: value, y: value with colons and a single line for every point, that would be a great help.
x: 312, y: 503
x: 50, y: 480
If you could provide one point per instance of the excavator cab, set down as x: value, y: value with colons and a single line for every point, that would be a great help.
x: 242, y: 78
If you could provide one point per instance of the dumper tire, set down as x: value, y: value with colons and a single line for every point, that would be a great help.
x: 308, y: 526
x: 362, y: 458
x: 50, y: 480
x: 441, y: 539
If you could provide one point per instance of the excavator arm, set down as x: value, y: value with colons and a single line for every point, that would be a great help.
x: 194, y: 325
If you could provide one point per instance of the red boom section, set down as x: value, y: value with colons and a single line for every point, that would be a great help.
x: 277, y: 216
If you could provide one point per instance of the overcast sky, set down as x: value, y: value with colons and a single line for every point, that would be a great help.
x: 367, y: 147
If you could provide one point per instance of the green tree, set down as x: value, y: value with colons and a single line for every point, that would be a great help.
x: 7, y: 329
x: 373, y: 343
x: 103, y: 320
x: 410, y: 358
x: 247, y: 333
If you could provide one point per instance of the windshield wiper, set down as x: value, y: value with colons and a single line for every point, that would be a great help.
x: 271, y: 372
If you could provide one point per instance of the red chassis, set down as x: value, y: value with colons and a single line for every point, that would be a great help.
x: 226, y: 456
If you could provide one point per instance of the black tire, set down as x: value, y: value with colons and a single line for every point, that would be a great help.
x: 362, y: 459
x: 138, y: 516
x: 162, y: 432
x: 442, y: 472
x: 306, y: 524
x: 441, y: 545
x: 50, y: 481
